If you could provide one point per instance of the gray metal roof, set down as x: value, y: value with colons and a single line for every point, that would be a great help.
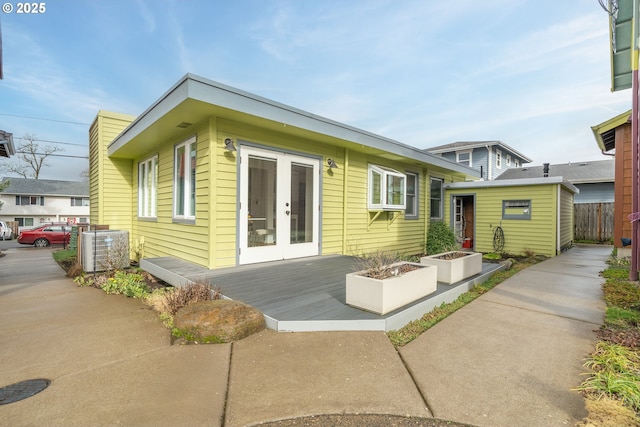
x: 575, y: 173
x: 193, y: 99
x: 515, y: 183
x: 46, y: 187
x: 468, y: 145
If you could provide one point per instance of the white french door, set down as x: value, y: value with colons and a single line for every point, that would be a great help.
x: 279, y: 205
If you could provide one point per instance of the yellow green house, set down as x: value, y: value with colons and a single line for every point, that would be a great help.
x: 221, y: 177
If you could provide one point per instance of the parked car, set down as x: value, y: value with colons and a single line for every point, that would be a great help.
x: 5, y: 231
x: 45, y: 235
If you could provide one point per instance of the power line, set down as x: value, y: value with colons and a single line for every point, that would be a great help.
x: 53, y: 142
x: 53, y: 155
x: 43, y: 119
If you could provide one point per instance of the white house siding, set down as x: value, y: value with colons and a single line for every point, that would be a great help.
x: 55, y: 209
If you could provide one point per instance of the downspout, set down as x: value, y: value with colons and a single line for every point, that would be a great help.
x: 345, y: 200
x: 633, y: 270
x: 488, y: 162
x: 559, y: 218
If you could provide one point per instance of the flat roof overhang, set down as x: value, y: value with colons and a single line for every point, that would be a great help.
x: 557, y: 180
x: 194, y: 99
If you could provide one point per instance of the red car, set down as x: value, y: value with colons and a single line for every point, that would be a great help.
x: 45, y: 235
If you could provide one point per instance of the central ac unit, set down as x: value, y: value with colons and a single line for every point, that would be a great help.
x: 105, y: 250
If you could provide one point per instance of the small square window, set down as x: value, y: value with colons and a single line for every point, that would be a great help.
x: 516, y: 209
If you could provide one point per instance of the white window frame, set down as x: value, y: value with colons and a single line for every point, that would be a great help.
x: 188, y: 191
x: 79, y: 201
x: 381, y: 202
x: 516, y: 163
x: 416, y: 196
x: 508, y: 160
x: 147, y: 197
x: 441, y: 199
x: 464, y: 162
x: 499, y: 159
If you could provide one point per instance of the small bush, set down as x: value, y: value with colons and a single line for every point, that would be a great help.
x: 173, y: 299
x: 75, y: 270
x: 378, y: 264
x: 440, y: 238
x: 129, y: 284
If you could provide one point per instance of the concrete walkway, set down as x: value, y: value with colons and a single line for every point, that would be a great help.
x: 509, y: 358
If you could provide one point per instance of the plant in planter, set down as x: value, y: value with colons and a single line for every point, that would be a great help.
x: 454, y: 266
x: 384, y: 283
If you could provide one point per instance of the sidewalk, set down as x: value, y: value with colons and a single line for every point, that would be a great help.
x: 509, y: 358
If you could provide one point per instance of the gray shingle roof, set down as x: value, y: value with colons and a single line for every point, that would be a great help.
x: 45, y: 187
x: 579, y: 172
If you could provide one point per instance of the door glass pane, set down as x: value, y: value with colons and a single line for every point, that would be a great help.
x: 262, y: 202
x: 301, y: 203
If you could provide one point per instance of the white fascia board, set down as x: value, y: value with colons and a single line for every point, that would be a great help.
x: 513, y: 183
x: 215, y: 93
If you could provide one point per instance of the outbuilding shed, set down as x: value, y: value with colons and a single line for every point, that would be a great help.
x: 513, y: 216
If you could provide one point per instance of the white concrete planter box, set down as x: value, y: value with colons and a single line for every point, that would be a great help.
x: 386, y: 295
x: 457, y: 269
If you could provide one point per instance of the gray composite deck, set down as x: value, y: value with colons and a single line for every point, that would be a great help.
x: 305, y: 294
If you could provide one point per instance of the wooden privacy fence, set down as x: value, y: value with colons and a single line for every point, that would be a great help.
x: 594, y: 221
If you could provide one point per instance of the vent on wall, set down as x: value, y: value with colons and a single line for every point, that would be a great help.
x: 104, y: 250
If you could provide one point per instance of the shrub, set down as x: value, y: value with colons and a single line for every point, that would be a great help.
x: 173, y: 299
x: 440, y: 238
x: 129, y: 284
x: 378, y: 264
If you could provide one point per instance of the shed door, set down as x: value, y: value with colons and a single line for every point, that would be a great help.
x: 279, y: 206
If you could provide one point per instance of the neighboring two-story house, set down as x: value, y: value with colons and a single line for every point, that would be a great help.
x: 491, y: 158
x: 31, y: 202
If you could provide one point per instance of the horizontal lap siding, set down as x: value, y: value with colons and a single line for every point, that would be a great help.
x: 567, y: 218
x: 163, y: 236
x: 537, y: 234
x: 331, y: 192
x: 112, y: 205
x: 385, y: 232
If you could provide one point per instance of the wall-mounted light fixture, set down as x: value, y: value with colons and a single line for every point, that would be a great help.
x: 332, y: 164
x: 228, y: 144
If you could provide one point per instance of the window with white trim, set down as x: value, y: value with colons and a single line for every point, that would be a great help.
x: 29, y: 200
x: 498, y: 158
x: 516, y: 163
x: 184, y: 180
x: 148, y: 187
x: 464, y: 157
x: 435, y: 192
x: 387, y: 189
x: 508, y: 160
x: 79, y: 201
x: 411, y: 210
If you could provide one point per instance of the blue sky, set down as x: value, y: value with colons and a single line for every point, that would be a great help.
x: 533, y: 74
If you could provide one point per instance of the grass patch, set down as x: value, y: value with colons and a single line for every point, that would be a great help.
x: 621, y: 293
x: 414, y: 329
x: 64, y: 255
x: 621, y: 317
x: 614, y: 365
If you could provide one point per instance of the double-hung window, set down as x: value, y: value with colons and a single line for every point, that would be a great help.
x: 184, y: 180
x: 413, y: 196
x: 435, y: 191
x: 148, y: 187
x: 464, y: 157
x: 387, y: 189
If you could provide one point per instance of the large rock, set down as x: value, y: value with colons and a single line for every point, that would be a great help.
x: 217, y: 321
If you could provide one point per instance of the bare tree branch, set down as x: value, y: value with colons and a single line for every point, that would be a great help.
x: 31, y: 158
